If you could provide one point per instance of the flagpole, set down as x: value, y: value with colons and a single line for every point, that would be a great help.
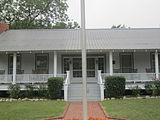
x: 84, y: 71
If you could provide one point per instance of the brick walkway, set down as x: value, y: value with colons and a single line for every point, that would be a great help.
x: 75, y: 110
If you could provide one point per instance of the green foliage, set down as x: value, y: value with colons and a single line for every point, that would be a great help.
x: 30, y: 90
x: 55, y: 85
x: 42, y: 91
x: 153, y: 87
x: 136, y: 91
x: 14, y: 90
x: 115, y: 86
x: 34, y: 14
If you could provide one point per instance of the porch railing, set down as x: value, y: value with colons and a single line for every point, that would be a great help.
x: 134, y: 77
x: 6, y: 79
x: 28, y: 78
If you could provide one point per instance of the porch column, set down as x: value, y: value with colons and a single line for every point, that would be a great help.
x: 14, y: 67
x: 110, y: 63
x: 156, y: 65
x: 55, y: 64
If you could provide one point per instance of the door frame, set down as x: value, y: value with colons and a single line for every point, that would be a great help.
x: 79, y: 56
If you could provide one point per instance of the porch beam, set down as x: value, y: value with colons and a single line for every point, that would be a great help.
x: 14, y: 67
x: 55, y: 64
x: 156, y: 65
x: 110, y: 63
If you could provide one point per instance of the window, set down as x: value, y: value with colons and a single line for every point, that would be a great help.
x: 10, y: 64
x: 77, y: 67
x: 126, y: 62
x: 91, y: 67
x: 42, y: 63
x: 153, y: 61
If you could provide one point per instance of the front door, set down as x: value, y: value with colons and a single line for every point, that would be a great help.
x: 74, y: 65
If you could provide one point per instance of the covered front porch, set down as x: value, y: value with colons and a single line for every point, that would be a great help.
x: 37, y: 67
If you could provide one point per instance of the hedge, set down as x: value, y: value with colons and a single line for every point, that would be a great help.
x: 115, y: 86
x: 14, y: 90
x: 55, y: 85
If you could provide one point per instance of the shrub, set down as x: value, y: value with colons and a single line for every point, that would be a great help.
x: 42, y: 91
x: 55, y: 85
x: 115, y: 86
x: 136, y: 91
x: 14, y: 90
x: 153, y: 87
x: 30, y: 90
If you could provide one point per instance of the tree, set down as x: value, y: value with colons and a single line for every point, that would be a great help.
x: 119, y: 26
x: 28, y: 14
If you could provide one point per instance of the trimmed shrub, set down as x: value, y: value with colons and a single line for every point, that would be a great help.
x: 136, y: 91
x: 115, y: 86
x: 42, y: 91
x: 14, y: 91
x: 55, y: 85
x: 30, y: 90
x: 153, y: 88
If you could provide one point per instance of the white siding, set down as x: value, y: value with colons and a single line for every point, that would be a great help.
x: 4, y: 63
x: 28, y: 63
x: 116, y: 59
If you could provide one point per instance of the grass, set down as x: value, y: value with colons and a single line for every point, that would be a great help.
x: 30, y: 110
x: 134, y: 109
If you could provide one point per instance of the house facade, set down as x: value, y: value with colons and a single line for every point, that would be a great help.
x: 32, y: 56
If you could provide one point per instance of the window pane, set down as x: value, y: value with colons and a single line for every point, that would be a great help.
x: 42, y: 62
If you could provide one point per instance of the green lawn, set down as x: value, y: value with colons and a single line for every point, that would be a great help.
x: 30, y: 110
x: 134, y: 109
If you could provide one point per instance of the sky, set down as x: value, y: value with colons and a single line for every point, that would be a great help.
x: 105, y: 13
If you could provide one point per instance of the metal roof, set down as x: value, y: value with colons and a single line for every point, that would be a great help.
x: 102, y: 39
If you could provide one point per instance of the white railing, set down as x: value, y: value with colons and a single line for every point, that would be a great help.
x: 134, y: 77
x: 101, y: 85
x: 28, y: 78
x: 35, y: 78
x: 66, y: 84
x: 5, y: 79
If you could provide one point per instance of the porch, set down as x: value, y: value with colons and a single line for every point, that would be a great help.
x: 37, y: 67
x: 137, y: 67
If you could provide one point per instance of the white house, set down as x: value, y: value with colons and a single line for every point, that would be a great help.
x: 32, y: 56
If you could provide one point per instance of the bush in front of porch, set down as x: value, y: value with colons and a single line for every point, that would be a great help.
x: 55, y: 85
x: 115, y: 86
x: 153, y: 87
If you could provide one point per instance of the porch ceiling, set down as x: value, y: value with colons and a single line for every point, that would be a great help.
x: 69, y: 40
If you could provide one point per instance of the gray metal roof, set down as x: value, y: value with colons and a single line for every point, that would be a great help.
x: 102, y: 39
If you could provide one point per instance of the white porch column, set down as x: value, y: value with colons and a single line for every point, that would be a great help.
x: 110, y: 63
x: 55, y: 64
x: 156, y: 65
x: 14, y: 67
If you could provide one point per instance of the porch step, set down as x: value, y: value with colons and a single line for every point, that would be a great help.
x: 75, y: 92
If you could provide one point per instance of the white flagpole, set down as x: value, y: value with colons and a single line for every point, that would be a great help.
x: 84, y: 71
